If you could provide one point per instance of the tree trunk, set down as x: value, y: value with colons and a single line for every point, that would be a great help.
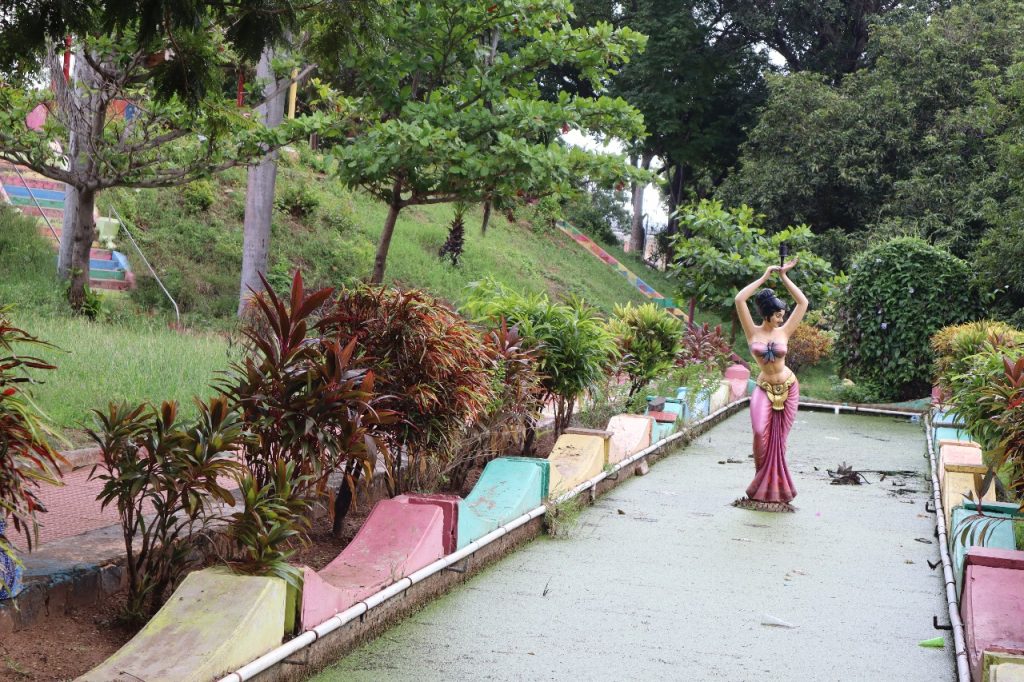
x: 381, y: 259
x: 487, y: 218
x: 83, y: 76
x: 81, y: 242
x: 259, y: 194
x: 675, y: 196
x: 636, y: 232
x: 68, y: 226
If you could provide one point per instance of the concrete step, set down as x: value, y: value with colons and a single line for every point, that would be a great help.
x: 9, y: 177
x: 113, y: 284
x: 25, y: 200
x: 48, y: 212
x: 19, y: 190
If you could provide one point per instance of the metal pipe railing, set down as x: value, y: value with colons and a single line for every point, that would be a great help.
x: 963, y: 668
x: 35, y: 201
x: 177, y: 312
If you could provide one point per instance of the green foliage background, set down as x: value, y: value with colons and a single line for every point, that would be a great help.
x: 899, y: 294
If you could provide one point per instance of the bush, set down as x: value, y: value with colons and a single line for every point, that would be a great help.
x: 198, y: 196
x: 153, y: 464
x: 807, y: 346
x: 518, y: 400
x: 432, y: 368
x: 954, y: 345
x: 648, y: 338
x: 304, y: 399
x: 298, y: 201
x: 705, y: 345
x: 273, y: 517
x: 899, y: 294
x: 576, y: 349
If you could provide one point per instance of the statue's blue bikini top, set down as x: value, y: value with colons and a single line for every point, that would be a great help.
x: 769, y: 352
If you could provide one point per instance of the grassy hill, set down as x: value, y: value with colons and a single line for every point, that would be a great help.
x: 332, y: 232
x: 193, y: 238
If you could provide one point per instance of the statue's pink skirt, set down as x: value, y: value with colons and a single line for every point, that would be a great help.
x: 771, y: 429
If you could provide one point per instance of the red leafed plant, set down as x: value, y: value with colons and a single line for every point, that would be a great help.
x: 304, y: 395
x: 704, y: 344
x: 26, y: 458
x: 518, y: 401
x: 431, y: 368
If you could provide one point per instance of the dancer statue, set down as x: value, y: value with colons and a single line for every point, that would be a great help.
x: 774, y: 401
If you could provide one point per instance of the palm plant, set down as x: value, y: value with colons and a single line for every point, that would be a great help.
x: 649, y: 339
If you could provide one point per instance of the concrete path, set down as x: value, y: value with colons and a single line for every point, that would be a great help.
x: 663, y: 580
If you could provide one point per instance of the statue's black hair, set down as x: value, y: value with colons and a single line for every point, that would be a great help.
x: 768, y: 303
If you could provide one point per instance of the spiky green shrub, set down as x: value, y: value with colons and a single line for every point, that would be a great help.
x: 576, y: 349
x: 649, y: 338
x: 954, y: 344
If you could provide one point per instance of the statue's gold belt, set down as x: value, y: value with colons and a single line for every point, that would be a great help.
x: 778, y: 394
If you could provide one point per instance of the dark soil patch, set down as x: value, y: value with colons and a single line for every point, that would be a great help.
x: 62, y: 648
x: 65, y: 647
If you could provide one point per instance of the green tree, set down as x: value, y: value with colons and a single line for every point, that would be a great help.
x: 168, y: 140
x: 698, y: 85
x: 909, y: 145
x: 829, y: 38
x: 447, y: 107
x: 728, y: 248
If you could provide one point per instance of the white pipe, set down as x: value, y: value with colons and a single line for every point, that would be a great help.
x: 275, y: 656
x: 963, y: 668
x: 856, y: 408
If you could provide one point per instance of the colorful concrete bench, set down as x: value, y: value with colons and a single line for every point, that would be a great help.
x: 738, y: 377
x: 399, y: 537
x: 215, y: 622
x: 508, y: 488
x: 720, y: 397
x: 946, y: 417
x: 969, y: 529
x: 700, y: 408
x: 664, y: 424
x: 992, y: 607
x: 1004, y: 667
x: 577, y: 457
x: 631, y: 433
x: 957, y: 453
x: 950, y: 434
x: 959, y: 476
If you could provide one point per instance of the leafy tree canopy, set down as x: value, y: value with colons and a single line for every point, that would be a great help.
x: 195, y: 35
x: 916, y: 144
x: 448, y: 106
x: 728, y: 248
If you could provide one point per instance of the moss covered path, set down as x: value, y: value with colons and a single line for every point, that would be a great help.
x: 663, y: 580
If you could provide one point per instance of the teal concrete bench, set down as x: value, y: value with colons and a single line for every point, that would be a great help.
x: 662, y: 429
x: 508, y: 488
x: 968, y: 529
x: 947, y: 418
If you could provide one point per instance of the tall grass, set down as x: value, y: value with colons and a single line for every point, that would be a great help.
x: 102, y: 362
x: 128, y: 357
